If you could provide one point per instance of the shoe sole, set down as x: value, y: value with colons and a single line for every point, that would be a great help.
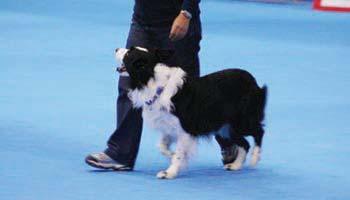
x: 107, y: 166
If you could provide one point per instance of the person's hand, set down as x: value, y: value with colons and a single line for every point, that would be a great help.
x: 179, y: 28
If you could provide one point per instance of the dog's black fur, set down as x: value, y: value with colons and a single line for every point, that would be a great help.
x: 205, y: 104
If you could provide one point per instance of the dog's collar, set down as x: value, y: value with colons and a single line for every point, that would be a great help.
x: 159, y: 91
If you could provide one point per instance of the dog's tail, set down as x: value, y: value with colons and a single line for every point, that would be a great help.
x: 261, y: 102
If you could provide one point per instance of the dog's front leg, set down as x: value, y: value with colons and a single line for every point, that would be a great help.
x: 185, y: 146
x: 164, y: 145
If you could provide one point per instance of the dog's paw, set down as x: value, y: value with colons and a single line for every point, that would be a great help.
x: 165, y: 175
x: 235, y: 166
x: 238, y: 163
x: 255, y: 156
x: 254, y: 162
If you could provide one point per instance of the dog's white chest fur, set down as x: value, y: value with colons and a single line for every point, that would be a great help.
x: 157, y: 107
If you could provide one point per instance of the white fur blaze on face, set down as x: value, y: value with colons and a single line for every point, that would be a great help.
x: 238, y: 163
x: 255, y: 156
x: 142, y: 49
x: 120, y: 53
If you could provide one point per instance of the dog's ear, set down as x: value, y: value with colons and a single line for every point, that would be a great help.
x: 164, y: 54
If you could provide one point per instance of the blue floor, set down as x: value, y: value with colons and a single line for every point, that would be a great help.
x: 58, y: 91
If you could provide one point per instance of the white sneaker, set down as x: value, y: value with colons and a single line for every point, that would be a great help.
x: 103, y: 161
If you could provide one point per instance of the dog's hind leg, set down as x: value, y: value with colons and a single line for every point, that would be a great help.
x: 185, y: 146
x: 256, y: 153
x: 164, y: 145
x: 259, y: 130
x: 242, y: 149
x: 229, y: 150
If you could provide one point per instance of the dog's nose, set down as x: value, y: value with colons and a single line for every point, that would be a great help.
x: 116, y: 50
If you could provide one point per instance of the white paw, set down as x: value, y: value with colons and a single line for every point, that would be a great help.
x: 254, y: 160
x: 165, y: 175
x: 238, y: 163
x: 255, y: 156
x: 235, y: 166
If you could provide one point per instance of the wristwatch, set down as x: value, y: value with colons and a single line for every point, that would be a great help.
x: 187, y: 14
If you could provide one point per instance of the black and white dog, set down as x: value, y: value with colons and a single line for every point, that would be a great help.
x: 227, y: 103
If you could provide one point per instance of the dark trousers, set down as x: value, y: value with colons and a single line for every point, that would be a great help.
x: 124, y: 143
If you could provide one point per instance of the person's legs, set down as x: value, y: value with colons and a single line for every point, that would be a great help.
x: 123, y: 144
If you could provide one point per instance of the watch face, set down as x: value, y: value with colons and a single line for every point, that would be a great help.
x: 186, y: 14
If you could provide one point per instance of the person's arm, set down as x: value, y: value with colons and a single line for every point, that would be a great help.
x: 182, y: 21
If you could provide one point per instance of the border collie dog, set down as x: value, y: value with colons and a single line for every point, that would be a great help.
x: 228, y: 104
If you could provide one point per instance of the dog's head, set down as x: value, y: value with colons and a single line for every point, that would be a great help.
x: 140, y: 63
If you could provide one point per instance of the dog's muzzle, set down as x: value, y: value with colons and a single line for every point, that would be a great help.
x: 119, y: 55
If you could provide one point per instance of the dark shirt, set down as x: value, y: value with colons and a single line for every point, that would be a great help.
x: 163, y: 12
